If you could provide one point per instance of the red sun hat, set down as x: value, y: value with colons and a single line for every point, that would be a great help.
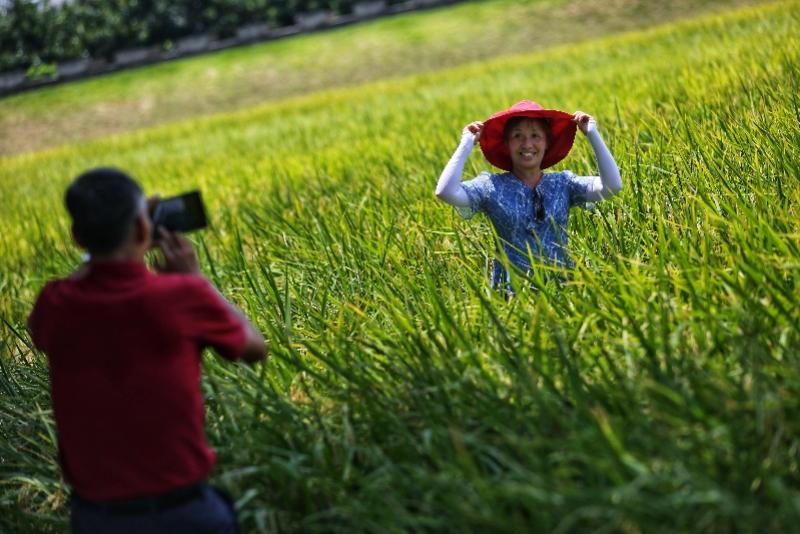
x: 562, y: 134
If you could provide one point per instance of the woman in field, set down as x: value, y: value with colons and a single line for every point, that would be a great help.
x: 527, y: 207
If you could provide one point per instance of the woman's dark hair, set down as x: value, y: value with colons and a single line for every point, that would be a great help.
x: 103, y: 204
x: 513, y: 122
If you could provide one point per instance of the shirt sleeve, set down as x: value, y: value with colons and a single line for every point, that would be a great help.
x: 578, y: 187
x: 210, y: 320
x: 478, y: 190
x: 448, y: 188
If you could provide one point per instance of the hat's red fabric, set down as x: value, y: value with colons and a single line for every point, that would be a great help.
x: 562, y: 134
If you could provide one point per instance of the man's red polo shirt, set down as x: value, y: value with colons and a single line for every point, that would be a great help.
x: 124, y: 348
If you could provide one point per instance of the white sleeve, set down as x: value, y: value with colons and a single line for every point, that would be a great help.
x: 449, y: 188
x: 609, y: 182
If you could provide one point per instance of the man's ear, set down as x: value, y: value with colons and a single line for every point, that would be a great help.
x: 142, y: 229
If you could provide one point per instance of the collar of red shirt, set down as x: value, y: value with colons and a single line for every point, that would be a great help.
x: 103, y: 272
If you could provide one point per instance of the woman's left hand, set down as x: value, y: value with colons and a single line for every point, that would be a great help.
x: 586, y: 122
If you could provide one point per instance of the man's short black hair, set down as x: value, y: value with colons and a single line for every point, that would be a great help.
x: 103, y: 204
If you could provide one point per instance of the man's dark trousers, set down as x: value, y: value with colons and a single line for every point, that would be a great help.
x: 209, y: 511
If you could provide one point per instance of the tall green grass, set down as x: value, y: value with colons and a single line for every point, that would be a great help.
x: 656, y: 391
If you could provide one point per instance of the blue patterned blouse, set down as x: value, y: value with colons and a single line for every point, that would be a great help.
x: 512, y: 209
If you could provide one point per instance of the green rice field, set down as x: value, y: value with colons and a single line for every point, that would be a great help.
x: 658, y: 390
x: 390, y: 47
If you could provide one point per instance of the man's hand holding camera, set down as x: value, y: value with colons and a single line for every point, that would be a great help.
x: 178, y: 255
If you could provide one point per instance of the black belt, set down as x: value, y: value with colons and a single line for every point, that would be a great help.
x: 156, y: 503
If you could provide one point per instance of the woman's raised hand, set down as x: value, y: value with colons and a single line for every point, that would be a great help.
x: 586, y: 122
x: 475, y: 128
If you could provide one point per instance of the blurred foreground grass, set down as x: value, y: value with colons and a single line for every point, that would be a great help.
x: 657, y: 391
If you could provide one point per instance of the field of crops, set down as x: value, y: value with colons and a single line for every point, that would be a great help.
x: 386, y: 48
x: 658, y: 390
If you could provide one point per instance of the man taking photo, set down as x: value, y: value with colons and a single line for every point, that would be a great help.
x: 124, y: 347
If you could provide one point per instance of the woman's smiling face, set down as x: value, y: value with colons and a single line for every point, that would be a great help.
x: 527, y: 143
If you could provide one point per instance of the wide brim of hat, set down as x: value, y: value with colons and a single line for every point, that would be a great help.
x: 562, y: 136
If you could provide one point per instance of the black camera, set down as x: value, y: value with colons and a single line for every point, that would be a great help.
x: 182, y: 213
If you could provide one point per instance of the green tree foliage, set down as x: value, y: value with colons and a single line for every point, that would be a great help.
x: 35, y: 32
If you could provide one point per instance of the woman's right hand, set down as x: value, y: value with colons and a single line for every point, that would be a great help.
x: 475, y: 128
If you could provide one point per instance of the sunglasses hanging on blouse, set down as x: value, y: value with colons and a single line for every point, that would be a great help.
x: 538, y: 205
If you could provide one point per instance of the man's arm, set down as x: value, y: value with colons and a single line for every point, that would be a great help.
x: 180, y: 257
x: 255, y: 347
